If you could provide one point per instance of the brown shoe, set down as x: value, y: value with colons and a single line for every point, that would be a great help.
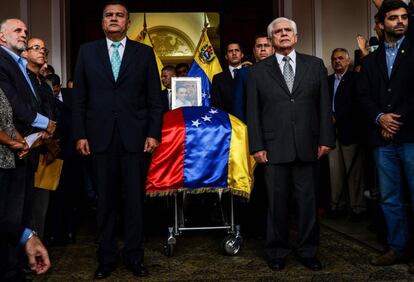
x: 387, y: 258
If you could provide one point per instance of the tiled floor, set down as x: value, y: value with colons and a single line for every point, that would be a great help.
x: 359, y: 231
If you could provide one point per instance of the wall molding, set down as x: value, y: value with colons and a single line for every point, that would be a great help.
x: 317, y: 46
x: 24, y: 11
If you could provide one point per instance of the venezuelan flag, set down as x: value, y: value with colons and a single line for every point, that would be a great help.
x: 203, y: 149
x: 205, y: 65
x: 145, y: 38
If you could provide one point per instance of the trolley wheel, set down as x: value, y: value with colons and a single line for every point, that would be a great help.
x: 169, y: 250
x: 231, y: 244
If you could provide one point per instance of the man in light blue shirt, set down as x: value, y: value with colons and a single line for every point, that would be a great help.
x: 26, y: 106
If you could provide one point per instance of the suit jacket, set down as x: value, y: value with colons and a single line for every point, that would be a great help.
x: 379, y: 94
x: 222, y: 91
x: 19, y: 94
x: 239, y: 93
x: 348, y: 124
x: 133, y: 101
x: 165, y: 101
x: 289, y: 126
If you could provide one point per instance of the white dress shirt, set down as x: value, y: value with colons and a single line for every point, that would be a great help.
x: 121, y: 47
x: 232, y: 70
x: 292, y: 56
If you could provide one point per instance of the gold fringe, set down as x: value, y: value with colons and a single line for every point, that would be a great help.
x: 199, y: 191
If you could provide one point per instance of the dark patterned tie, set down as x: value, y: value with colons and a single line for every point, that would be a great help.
x: 288, y: 73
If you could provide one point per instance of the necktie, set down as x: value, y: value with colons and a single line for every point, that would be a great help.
x: 115, y: 59
x: 169, y: 98
x: 288, y: 73
x: 235, y: 71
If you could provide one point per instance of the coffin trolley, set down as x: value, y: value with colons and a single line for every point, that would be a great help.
x: 203, y: 150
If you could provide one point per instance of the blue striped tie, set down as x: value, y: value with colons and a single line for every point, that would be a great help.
x: 115, y: 59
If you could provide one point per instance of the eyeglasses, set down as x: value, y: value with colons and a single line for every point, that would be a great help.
x: 37, y: 48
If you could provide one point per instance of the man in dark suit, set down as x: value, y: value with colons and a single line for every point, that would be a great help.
x: 27, y: 118
x: 261, y: 50
x: 256, y: 223
x: 346, y: 161
x: 167, y: 73
x: 222, y: 87
x: 117, y: 118
x: 290, y: 126
x: 386, y: 96
x: 65, y: 200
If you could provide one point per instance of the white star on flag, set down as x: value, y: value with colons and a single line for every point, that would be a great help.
x: 195, y: 123
x: 213, y: 111
x: 204, y: 95
x: 206, y: 118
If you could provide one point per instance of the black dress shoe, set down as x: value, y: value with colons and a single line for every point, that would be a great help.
x: 138, y: 269
x: 277, y: 264
x: 103, y: 271
x: 312, y: 263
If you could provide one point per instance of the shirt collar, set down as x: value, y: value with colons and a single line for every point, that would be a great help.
x: 15, y: 57
x: 109, y: 42
x: 231, y: 68
x: 291, y: 55
x: 339, y: 76
x: 395, y: 45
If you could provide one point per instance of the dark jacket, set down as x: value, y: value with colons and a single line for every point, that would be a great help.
x: 289, y: 126
x: 349, y: 128
x: 379, y: 94
x: 134, y: 101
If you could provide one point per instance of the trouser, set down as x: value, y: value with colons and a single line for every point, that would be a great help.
x: 346, y: 165
x: 394, y: 162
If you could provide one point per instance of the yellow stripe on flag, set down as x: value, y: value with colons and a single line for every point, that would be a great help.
x: 241, y: 164
x: 147, y: 41
x: 206, y: 58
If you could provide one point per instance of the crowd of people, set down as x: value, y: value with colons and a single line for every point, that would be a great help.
x: 107, y: 122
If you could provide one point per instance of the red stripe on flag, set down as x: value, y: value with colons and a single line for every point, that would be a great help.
x: 167, y: 166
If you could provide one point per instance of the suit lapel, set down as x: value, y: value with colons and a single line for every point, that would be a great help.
x: 402, y: 52
x: 129, y: 52
x: 274, y: 71
x: 343, y: 81
x: 331, y: 80
x: 104, y: 58
x: 18, y: 72
x: 301, y: 68
x: 382, y: 61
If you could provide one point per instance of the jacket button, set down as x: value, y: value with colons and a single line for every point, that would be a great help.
x: 389, y: 90
x: 292, y: 100
x: 389, y: 106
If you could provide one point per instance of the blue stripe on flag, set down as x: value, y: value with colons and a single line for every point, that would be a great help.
x: 206, y: 147
x: 197, y: 71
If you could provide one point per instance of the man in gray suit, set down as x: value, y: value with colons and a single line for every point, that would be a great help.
x: 290, y: 128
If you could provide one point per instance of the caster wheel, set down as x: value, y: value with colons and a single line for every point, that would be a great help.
x: 169, y: 250
x: 231, y: 245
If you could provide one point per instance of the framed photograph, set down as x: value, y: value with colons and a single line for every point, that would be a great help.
x: 186, y: 92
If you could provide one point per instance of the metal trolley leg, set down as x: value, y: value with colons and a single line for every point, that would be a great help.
x: 231, y: 244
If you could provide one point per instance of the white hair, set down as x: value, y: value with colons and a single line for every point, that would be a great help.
x: 281, y: 19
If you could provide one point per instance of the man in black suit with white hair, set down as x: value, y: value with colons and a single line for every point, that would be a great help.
x: 289, y: 119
